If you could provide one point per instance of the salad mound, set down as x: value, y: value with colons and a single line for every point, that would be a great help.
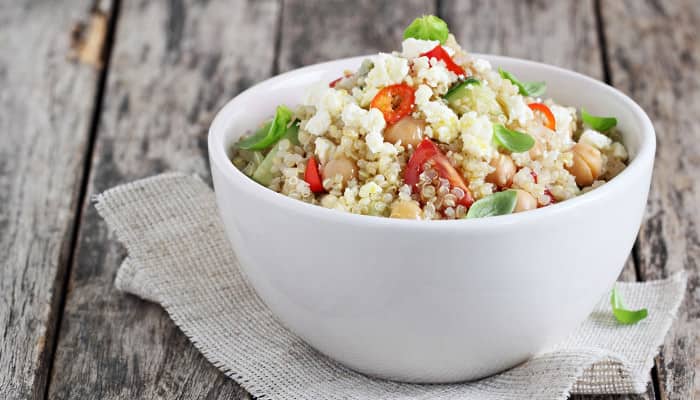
x: 431, y: 132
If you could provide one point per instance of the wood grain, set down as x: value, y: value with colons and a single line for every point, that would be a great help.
x: 654, y: 57
x: 173, y: 65
x: 319, y: 30
x: 559, y: 33
x: 46, y: 105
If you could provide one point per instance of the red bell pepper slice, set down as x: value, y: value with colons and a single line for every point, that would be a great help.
x: 312, y: 177
x: 439, y: 53
x: 395, y: 102
x: 428, y: 152
x: 550, y: 122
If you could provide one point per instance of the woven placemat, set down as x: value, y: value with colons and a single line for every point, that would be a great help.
x: 179, y: 257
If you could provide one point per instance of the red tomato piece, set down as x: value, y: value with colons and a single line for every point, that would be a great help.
x: 428, y: 152
x: 312, y: 177
x: 550, y: 122
x: 534, y: 175
x: 395, y: 102
x: 439, y: 53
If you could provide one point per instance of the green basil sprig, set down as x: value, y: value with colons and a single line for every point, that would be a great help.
x: 532, y: 89
x: 601, y: 124
x: 270, y: 133
x: 427, y: 27
x: 499, y: 203
x: 623, y: 315
x: 514, y: 141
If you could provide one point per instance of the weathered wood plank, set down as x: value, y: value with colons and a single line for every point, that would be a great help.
x: 318, y: 30
x: 562, y: 33
x: 654, y: 56
x: 173, y: 65
x: 171, y: 69
x: 46, y: 105
x: 559, y: 33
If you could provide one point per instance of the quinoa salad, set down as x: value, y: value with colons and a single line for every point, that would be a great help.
x: 431, y: 132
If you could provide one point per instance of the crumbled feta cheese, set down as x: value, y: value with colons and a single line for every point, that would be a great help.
x: 319, y: 123
x: 518, y: 110
x: 481, y: 65
x: 477, y: 135
x: 334, y: 101
x: 438, y: 115
x: 595, y: 139
x: 618, y: 151
x: 370, y: 122
x: 413, y: 48
x: 434, y: 73
x: 324, y: 149
x: 352, y: 115
x: 423, y: 94
x: 564, y: 117
x: 388, y: 70
x: 368, y: 189
x: 328, y: 103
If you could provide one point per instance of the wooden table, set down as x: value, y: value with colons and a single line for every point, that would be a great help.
x: 135, y: 95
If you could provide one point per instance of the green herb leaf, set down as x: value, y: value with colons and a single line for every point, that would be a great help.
x: 532, y: 89
x: 263, y: 172
x: 499, y: 203
x: 270, y: 133
x: 514, y: 141
x: 601, y: 124
x: 427, y: 27
x: 623, y: 315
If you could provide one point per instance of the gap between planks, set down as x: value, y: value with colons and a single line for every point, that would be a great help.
x: 112, y: 18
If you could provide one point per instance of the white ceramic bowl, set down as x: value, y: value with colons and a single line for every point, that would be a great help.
x: 431, y: 301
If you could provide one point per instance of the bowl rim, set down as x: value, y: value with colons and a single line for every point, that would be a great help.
x: 632, y: 173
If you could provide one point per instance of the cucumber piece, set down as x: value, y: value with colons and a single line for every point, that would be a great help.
x: 460, y: 90
x: 263, y: 173
x: 470, y: 97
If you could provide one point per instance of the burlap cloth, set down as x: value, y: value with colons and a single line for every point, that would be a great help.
x: 179, y: 257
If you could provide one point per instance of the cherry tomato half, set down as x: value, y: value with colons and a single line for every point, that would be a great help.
x: 550, y: 122
x: 395, y: 102
x: 428, y: 152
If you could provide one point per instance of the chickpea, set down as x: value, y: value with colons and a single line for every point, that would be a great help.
x: 525, y: 201
x: 587, y: 164
x: 406, y: 209
x: 504, y: 171
x: 408, y: 130
x: 340, y: 166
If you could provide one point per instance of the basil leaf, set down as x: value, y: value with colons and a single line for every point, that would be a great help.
x: 532, y: 89
x: 499, y: 203
x: 623, y: 315
x: 270, y: 133
x: 601, y: 124
x: 514, y: 141
x: 427, y: 27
